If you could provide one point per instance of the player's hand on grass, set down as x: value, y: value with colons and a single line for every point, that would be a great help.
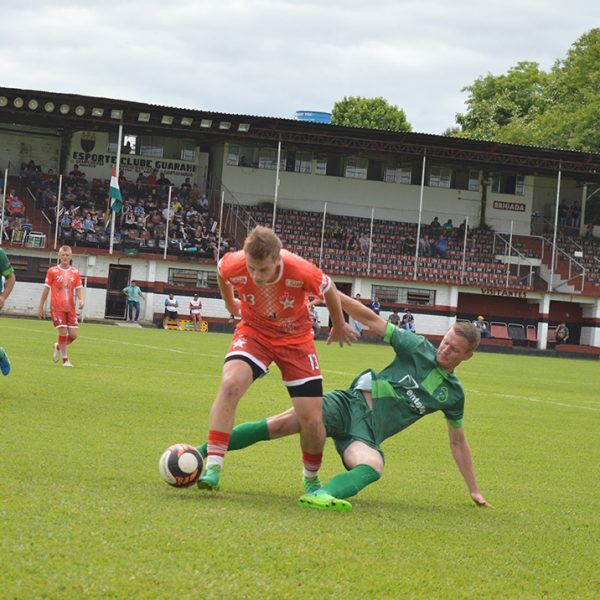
x: 347, y: 335
x: 480, y: 500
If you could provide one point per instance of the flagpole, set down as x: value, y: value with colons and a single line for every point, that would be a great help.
x: 57, y: 211
x: 113, y: 218
x: 3, y: 204
x: 167, y: 224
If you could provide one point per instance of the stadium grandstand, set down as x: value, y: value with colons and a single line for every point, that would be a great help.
x: 447, y: 228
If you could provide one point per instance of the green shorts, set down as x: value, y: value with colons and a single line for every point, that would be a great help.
x: 348, y: 418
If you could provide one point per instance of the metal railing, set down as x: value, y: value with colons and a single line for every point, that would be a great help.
x: 571, y: 262
x: 511, y: 249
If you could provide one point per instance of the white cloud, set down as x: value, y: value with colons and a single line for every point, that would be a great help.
x: 273, y: 57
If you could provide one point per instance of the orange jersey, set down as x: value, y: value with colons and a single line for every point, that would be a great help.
x: 277, y: 311
x: 63, y: 283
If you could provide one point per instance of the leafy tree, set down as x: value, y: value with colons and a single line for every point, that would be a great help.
x: 372, y: 113
x: 529, y: 106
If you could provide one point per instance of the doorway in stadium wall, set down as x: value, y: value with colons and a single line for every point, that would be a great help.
x: 116, y: 302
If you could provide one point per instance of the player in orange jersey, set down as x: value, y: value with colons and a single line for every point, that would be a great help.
x: 65, y: 282
x: 273, y: 286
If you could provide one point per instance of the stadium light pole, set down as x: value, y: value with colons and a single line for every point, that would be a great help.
x: 276, y: 182
x: 371, y: 240
x: 555, y: 227
x: 510, y: 237
x: 58, y: 210
x: 221, y: 226
x: 322, y: 233
x: 3, y: 204
x: 464, y: 256
x: 167, y: 224
x: 419, y: 217
x: 117, y: 169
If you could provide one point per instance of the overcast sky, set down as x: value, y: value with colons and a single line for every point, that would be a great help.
x: 273, y: 57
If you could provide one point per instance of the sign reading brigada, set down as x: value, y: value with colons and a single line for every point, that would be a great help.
x: 502, y: 292
x: 514, y: 206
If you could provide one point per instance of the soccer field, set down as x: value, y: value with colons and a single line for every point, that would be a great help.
x: 84, y: 513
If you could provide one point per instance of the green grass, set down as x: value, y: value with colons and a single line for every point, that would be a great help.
x: 83, y: 512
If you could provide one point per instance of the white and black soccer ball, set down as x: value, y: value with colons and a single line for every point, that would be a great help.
x: 180, y: 465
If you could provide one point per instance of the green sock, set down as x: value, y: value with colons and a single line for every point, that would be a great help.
x: 351, y: 482
x: 243, y: 435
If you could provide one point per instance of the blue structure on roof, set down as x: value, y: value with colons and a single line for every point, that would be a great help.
x: 313, y: 115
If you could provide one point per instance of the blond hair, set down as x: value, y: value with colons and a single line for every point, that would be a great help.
x: 261, y: 243
x: 65, y: 248
x: 469, y: 332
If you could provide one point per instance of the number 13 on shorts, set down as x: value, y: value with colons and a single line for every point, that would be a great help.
x: 314, y: 362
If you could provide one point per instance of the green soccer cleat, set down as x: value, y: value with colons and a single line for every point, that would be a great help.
x: 324, y: 501
x: 311, y: 484
x: 4, y: 362
x: 210, y: 479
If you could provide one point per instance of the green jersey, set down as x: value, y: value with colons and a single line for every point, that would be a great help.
x: 410, y: 387
x: 5, y: 268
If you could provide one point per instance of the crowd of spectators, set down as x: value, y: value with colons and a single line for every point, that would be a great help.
x: 84, y: 214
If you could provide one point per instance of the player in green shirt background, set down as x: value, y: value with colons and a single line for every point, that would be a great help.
x: 419, y: 381
x: 7, y: 282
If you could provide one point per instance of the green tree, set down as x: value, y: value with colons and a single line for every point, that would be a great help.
x: 559, y: 109
x: 372, y: 113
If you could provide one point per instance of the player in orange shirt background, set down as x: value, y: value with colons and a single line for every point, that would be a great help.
x: 273, y: 286
x: 65, y: 283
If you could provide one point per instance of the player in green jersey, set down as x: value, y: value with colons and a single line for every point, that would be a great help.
x: 419, y: 381
x: 7, y: 282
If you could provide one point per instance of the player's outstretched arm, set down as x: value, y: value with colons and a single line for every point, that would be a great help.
x: 43, y: 299
x: 462, y: 455
x: 9, y: 284
x: 340, y: 330
x: 363, y: 314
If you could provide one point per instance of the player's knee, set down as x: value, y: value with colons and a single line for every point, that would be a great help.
x: 231, y: 389
x: 312, y: 423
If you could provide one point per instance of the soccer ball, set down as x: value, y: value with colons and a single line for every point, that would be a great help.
x: 180, y: 465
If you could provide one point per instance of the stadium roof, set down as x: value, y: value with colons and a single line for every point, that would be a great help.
x: 43, y: 109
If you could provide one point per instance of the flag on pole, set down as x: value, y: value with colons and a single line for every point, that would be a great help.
x: 116, y: 200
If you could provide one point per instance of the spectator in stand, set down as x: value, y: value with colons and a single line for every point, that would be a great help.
x: 358, y: 327
x: 151, y: 179
x: 376, y: 305
x: 196, y: 312
x: 16, y: 207
x: 162, y: 180
x: 432, y: 247
x: 424, y: 249
x: 435, y: 229
x: 195, y: 195
x: 127, y: 149
x: 462, y: 227
x: 442, y: 247
x: 77, y: 173
x: 448, y: 226
x: 133, y: 294
x: 363, y: 242
x: 88, y: 224
x: 482, y: 327
x: 77, y: 223
x: 409, y: 245
x: 574, y: 215
x: 171, y: 309
x: 589, y: 230
x: 394, y: 318
x: 562, y: 333
x: 408, y: 322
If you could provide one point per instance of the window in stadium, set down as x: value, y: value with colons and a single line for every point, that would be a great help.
x: 473, y: 181
x: 129, y: 142
x: 440, y: 176
x: 298, y: 162
x: 321, y: 164
x: 508, y: 184
x: 151, y: 146
x: 404, y: 295
x: 356, y: 167
x: 189, y: 278
x: 267, y: 159
x: 406, y: 175
x: 389, y: 173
